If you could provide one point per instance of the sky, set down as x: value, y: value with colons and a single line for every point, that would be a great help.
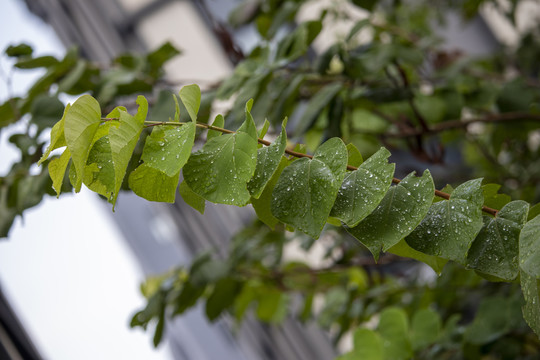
x: 65, y: 268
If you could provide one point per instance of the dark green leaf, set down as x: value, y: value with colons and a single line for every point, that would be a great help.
x: 314, y: 107
x: 495, y: 249
x: 307, y: 189
x: 42, y: 61
x: 450, y: 226
x: 19, y: 50
x: 530, y: 285
x: 268, y: 159
x: 46, y: 111
x: 529, y: 248
x: 222, y: 297
x: 363, y: 189
x: 395, y: 217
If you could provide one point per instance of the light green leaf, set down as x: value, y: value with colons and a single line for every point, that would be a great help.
x: 191, y: 198
x: 268, y: 159
x: 491, y: 197
x: 529, y: 248
x: 495, y: 250
x: 219, y: 121
x: 363, y: 189
x: 219, y: 172
x: 404, y: 250
x: 191, y: 97
x: 450, y: 226
x: 530, y: 286
x: 426, y: 328
x: 80, y: 124
x: 265, y: 127
x: 168, y: 147
x: 152, y: 184
x: 307, y: 189
x: 123, y: 141
x: 368, y: 345
x: 394, y: 329
x: 402, y: 209
x: 57, y: 136
x: 57, y: 170
x: 262, y: 205
x: 354, y: 156
x: 176, y: 109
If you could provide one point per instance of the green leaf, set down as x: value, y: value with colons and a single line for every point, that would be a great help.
x: 366, y: 4
x: 363, y: 189
x: 268, y: 159
x: 426, y: 328
x: 495, y: 250
x: 529, y: 248
x: 57, y: 170
x: 354, y: 156
x: 534, y: 211
x: 41, y: 61
x: 306, y: 190
x: 491, y: 197
x: 530, y: 286
x: 272, y: 306
x: 495, y: 317
x: 314, y: 107
x: 368, y: 345
x: 265, y: 127
x: 402, y: 209
x: 450, y: 226
x: 222, y: 297
x: 80, y: 124
x: 191, y: 97
x: 191, y: 198
x: 152, y: 184
x: 404, y: 250
x: 168, y: 147
x: 262, y: 205
x: 219, y: 122
x: 123, y: 140
x: 394, y: 329
x: 219, y: 172
x: 46, y: 110
x: 160, y: 56
x: 57, y: 137
x: 99, y: 171
x: 19, y: 50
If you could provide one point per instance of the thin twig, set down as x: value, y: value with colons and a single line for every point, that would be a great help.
x: 288, y: 151
x: 457, y: 124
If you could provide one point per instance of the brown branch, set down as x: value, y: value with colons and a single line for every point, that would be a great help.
x: 290, y: 152
x: 457, y: 124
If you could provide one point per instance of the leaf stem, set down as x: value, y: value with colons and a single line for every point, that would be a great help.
x: 290, y: 152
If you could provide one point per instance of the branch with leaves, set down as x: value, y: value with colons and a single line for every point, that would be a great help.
x: 302, y: 192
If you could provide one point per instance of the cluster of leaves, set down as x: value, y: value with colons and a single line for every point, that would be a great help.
x: 388, y: 80
x: 302, y: 192
x: 25, y: 185
x: 349, y: 294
